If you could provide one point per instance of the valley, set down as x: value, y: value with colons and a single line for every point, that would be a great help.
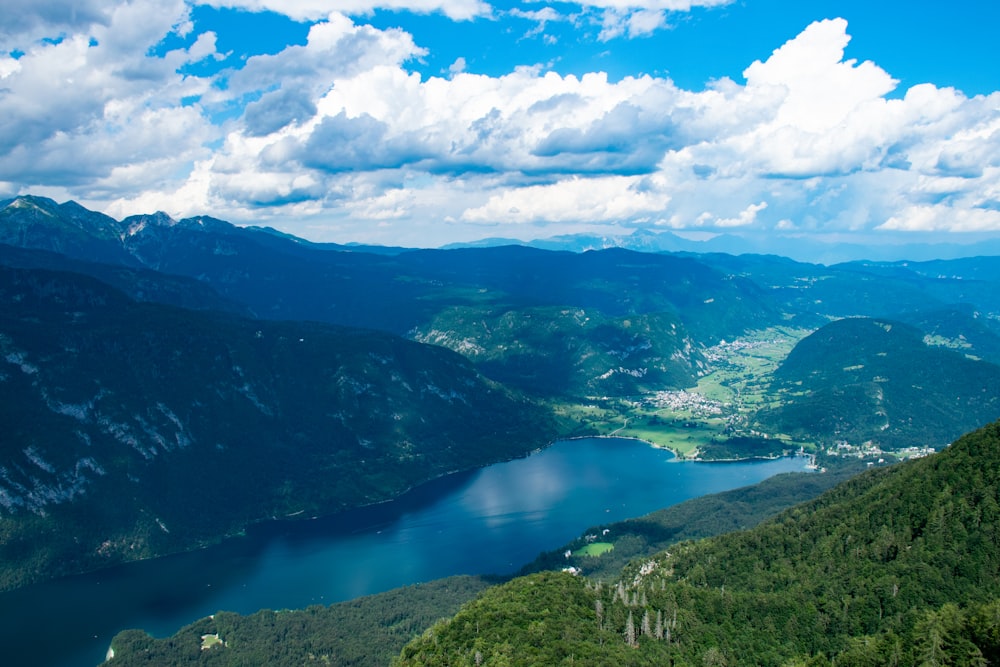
x: 696, y: 422
x: 170, y: 384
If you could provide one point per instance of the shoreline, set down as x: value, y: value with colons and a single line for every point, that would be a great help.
x: 300, y: 515
x: 678, y: 457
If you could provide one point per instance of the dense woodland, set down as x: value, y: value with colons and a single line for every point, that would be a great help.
x: 897, y: 566
x: 123, y: 421
x: 366, y: 631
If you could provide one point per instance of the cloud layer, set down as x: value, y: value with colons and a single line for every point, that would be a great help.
x: 340, y: 139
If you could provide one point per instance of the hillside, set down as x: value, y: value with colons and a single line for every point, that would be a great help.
x: 896, y: 566
x: 139, y: 284
x: 562, y: 351
x: 707, y: 516
x: 366, y: 632
x: 861, y: 379
x: 127, y: 424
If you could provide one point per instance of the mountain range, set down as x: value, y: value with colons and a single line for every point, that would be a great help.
x: 153, y: 367
x: 795, y: 247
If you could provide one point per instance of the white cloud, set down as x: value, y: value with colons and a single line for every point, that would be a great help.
x: 631, y: 22
x: 27, y: 21
x: 459, y: 10
x: 645, y: 22
x: 336, y: 48
x: 341, y: 133
x: 78, y: 108
x: 608, y: 198
x: 940, y: 218
x: 8, y: 66
x: 821, y: 88
x: 458, y: 66
x: 542, y: 17
x: 533, y: 147
x: 658, y: 5
x: 639, y: 18
x: 745, y: 218
x: 313, y: 10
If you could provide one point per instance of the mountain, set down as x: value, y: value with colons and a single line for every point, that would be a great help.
x: 861, y: 379
x: 140, y: 284
x: 126, y: 424
x: 797, y: 247
x: 962, y: 328
x: 567, y: 351
x: 562, y: 326
x: 897, y: 566
x: 416, y: 293
x: 68, y: 229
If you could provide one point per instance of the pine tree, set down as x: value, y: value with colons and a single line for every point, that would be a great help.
x: 630, y: 638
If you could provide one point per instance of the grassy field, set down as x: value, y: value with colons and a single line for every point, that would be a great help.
x: 595, y: 549
x: 718, y: 408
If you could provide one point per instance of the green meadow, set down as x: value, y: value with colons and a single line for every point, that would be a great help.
x: 693, y: 423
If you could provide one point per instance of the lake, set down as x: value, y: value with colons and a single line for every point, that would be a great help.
x: 488, y: 521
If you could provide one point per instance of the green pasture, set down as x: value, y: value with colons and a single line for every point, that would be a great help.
x: 595, y: 549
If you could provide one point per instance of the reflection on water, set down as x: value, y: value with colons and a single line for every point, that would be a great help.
x: 487, y: 521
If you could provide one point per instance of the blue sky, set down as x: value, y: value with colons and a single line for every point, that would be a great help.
x: 424, y: 122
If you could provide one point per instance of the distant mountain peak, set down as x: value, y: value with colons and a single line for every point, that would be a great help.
x: 206, y: 222
x: 29, y: 202
x: 136, y: 223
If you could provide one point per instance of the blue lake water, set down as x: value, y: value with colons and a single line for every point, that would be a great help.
x: 489, y: 521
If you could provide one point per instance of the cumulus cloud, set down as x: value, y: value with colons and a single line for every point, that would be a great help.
x: 810, y: 142
x: 312, y: 10
x: 278, y: 108
x: 574, y: 200
x: 943, y: 218
x: 340, y: 132
x: 76, y: 109
x: 745, y: 218
x: 27, y: 21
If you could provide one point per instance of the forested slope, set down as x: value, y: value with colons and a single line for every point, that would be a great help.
x: 861, y: 379
x: 126, y: 424
x: 896, y: 566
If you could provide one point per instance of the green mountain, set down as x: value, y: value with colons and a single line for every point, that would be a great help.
x: 620, y: 322
x: 563, y: 351
x: 366, y: 632
x: 962, y: 328
x: 132, y: 429
x: 897, y: 566
x: 138, y: 283
x: 601, y: 335
x: 68, y: 229
x: 861, y: 379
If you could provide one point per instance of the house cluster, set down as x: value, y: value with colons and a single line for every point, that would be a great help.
x: 686, y: 401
